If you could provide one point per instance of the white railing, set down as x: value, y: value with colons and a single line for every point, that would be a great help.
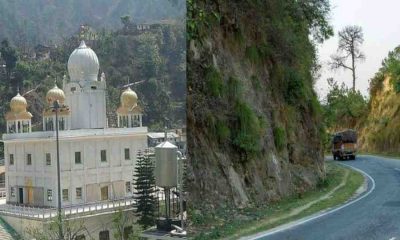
x: 67, y: 211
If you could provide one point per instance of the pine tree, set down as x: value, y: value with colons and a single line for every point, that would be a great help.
x: 144, y: 183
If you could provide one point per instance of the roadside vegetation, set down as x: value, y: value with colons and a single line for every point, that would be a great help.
x: 340, y: 185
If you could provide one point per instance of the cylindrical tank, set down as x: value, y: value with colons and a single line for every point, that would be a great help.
x: 166, y: 165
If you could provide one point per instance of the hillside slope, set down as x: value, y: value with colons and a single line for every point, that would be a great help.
x: 379, y: 130
x: 253, y: 117
x: 44, y: 21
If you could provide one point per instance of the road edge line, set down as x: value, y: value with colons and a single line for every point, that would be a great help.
x: 322, y: 213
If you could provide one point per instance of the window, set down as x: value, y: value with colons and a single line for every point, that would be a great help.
x: 49, y: 195
x: 103, y: 154
x: 104, y: 235
x: 12, y: 191
x: 104, y: 193
x: 11, y: 159
x: 93, y: 87
x: 61, y: 124
x: 78, y: 159
x: 49, y: 124
x: 127, y: 154
x: 28, y: 159
x: 65, y: 194
x: 79, y: 193
x: 128, y: 187
x: 73, y: 89
x: 48, y: 159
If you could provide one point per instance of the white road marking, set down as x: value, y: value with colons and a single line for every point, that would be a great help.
x: 308, y: 219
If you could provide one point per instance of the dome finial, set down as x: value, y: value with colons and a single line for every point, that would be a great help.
x: 83, y: 44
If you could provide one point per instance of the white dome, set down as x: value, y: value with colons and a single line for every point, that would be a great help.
x: 83, y: 64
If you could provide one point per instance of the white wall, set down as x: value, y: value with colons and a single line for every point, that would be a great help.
x: 91, y: 171
x: 88, y: 106
x: 94, y: 224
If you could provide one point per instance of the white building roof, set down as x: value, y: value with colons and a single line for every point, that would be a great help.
x: 162, y: 135
x: 75, y: 134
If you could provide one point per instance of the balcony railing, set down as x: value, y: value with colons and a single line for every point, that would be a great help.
x: 81, y: 209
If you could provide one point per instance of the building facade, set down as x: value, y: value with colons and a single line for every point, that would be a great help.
x: 96, y: 162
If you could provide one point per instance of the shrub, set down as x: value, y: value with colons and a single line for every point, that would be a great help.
x: 295, y: 88
x: 279, y: 138
x: 253, y: 55
x: 234, y: 88
x: 214, y: 82
x: 222, y: 131
x: 246, y: 135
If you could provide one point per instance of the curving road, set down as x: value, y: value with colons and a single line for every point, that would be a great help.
x: 375, y: 216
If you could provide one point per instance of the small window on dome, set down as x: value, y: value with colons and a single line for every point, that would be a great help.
x: 73, y: 89
x: 94, y: 87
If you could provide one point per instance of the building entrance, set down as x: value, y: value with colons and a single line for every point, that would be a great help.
x: 21, y: 195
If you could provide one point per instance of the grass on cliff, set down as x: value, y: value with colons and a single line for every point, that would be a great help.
x: 341, y: 184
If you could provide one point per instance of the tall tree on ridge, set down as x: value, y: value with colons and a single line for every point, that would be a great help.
x: 350, y: 40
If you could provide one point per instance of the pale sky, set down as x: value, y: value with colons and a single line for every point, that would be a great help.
x: 380, y: 21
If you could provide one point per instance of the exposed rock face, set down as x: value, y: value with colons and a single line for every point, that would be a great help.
x: 379, y: 130
x: 253, y: 133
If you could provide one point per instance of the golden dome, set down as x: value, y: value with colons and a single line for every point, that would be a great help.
x: 18, y: 104
x: 129, y: 98
x: 55, y: 94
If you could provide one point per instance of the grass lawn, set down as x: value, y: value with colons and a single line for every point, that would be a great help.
x: 341, y: 184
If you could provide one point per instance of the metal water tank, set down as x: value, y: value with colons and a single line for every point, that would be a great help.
x: 166, y: 165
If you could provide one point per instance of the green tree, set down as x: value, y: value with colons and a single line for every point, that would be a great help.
x: 126, y: 21
x: 350, y: 40
x: 9, y: 55
x: 72, y: 230
x: 123, y: 226
x: 343, y: 107
x: 145, y: 187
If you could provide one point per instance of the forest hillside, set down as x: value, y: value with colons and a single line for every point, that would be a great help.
x: 49, y: 21
x: 254, y: 121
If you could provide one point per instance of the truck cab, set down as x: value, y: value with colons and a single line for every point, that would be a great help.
x: 344, y: 145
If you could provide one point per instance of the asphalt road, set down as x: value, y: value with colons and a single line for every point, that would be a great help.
x: 375, y: 216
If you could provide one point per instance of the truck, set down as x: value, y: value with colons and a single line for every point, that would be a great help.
x: 344, y: 145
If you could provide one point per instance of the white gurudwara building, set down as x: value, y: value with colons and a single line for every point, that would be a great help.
x: 96, y: 162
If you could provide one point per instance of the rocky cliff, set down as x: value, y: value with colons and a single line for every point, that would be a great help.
x: 253, y: 116
x: 379, y: 128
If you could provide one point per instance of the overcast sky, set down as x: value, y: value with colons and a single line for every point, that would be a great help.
x: 380, y: 21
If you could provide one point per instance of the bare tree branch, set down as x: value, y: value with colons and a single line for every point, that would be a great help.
x: 350, y: 40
